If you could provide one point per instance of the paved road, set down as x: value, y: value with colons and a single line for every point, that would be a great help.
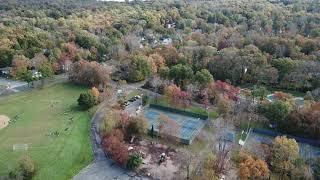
x: 103, y: 168
x: 12, y: 86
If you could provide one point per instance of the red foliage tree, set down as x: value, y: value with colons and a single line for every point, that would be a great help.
x: 114, y: 146
x: 89, y: 73
x: 178, y: 97
x: 227, y: 90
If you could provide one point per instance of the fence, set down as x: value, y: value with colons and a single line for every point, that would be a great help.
x: 275, y: 134
x: 178, y: 111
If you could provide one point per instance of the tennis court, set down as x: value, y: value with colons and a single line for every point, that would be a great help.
x: 255, y: 139
x: 189, y: 126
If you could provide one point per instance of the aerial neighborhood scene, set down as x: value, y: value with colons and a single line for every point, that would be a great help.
x: 159, y: 90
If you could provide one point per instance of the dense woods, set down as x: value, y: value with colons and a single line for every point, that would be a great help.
x: 275, y: 43
x: 191, y: 52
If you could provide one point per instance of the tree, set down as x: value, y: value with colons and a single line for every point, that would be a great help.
x: 139, y: 68
x: 252, y: 168
x: 109, y: 123
x: 304, y: 121
x: 114, y: 146
x: 164, y: 72
x: 181, y: 74
x: 177, y: 97
x: 20, y: 65
x: 89, y: 73
x: 224, y: 106
x: 228, y: 91
x: 284, y: 66
x: 87, y: 100
x: 134, y: 161
x: 208, y: 171
x: 6, y: 56
x: 284, y: 154
x: 170, y: 55
x: 156, y: 61
x: 203, y: 77
x: 276, y: 111
x: 25, y: 170
x: 268, y: 76
x: 137, y: 126
x: 169, y: 129
x: 260, y: 91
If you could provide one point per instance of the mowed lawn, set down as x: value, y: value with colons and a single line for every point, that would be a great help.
x: 56, y: 132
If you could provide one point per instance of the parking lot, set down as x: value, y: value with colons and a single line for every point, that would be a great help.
x: 132, y: 106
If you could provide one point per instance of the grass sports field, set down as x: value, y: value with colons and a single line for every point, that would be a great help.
x: 56, y: 132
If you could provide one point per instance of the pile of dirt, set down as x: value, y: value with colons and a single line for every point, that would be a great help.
x: 4, y: 121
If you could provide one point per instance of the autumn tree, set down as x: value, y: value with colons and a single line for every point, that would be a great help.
x: 89, y: 74
x: 170, y: 54
x: 285, y: 152
x: 137, y: 126
x: 177, y: 97
x: 156, y: 61
x: 20, y: 64
x: 305, y: 121
x: 169, y: 129
x: 208, y: 171
x: 114, y: 146
x: 252, y: 168
x: 224, y: 106
x: 227, y: 90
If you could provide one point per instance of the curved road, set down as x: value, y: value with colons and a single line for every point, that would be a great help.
x: 103, y: 168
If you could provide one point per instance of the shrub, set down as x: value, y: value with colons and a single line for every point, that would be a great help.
x: 95, y: 92
x: 87, y: 100
x: 25, y: 170
x: 134, y: 161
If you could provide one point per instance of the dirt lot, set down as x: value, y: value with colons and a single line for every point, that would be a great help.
x: 151, y: 152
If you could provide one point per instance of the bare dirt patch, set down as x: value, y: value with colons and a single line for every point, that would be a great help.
x: 4, y: 121
x: 151, y: 167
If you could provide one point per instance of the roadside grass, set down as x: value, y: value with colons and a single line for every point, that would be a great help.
x: 57, y: 133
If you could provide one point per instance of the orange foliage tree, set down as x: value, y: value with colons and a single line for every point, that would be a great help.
x: 89, y: 73
x: 177, y: 97
x: 252, y: 168
x: 156, y: 61
x: 115, y: 147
